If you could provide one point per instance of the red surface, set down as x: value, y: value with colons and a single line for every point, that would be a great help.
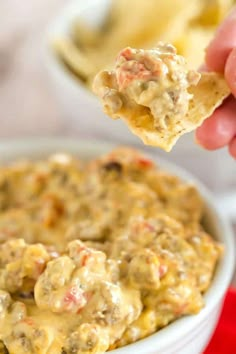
x: 224, y: 338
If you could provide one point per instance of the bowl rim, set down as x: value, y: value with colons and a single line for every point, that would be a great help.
x: 11, y: 149
x: 63, y: 19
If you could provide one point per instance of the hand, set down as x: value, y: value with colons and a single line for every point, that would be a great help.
x: 220, y: 129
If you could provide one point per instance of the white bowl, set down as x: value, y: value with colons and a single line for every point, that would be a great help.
x: 83, y: 109
x: 190, y: 334
x: 83, y: 112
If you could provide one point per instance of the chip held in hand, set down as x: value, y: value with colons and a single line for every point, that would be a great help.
x: 156, y: 94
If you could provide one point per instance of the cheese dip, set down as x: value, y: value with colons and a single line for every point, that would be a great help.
x: 95, y: 255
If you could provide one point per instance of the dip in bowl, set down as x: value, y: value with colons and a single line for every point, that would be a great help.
x: 108, y: 254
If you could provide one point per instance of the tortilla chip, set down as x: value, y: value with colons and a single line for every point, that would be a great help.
x: 213, y: 12
x: 85, y: 36
x: 191, y: 45
x: 207, y: 96
x: 143, y: 23
x: 74, y: 58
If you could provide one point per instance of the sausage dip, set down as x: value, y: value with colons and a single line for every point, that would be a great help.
x: 95, y: 255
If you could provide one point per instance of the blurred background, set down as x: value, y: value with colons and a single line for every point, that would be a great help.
x: 50, y: 50
x: 28, y: 106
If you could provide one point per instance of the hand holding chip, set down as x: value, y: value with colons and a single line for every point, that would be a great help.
x: 220, y: 129
x: 156, y: 94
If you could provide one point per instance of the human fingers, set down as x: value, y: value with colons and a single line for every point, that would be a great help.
x: 218, y: 130
x: 222, y: 44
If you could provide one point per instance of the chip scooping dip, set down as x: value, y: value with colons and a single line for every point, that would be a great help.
x: 156, y: 94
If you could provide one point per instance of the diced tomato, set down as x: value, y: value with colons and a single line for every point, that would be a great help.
x: 80, y: 248
x: 124, y: 78
x: 85, y: 258
x: 74, y: 298
x: 85, y: 255
x: 148, y: 226
x: 73, y: 295
x: 126, y: 75
x: 145, y: 162
x: 79, y: 310
x: 125, y: 53
x: 29, y: 321
x: 179, y: 311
